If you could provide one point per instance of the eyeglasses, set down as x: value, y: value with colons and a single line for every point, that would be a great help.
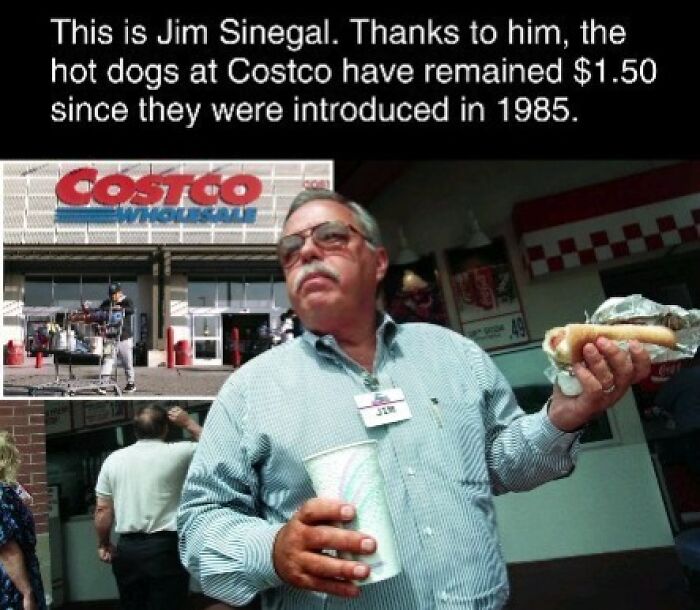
x: 329, y: 236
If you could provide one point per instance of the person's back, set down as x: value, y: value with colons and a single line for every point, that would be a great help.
x: 138, y: 491
x: 145, y: 481
x: 680, y: 396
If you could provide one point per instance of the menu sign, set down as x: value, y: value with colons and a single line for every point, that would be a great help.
x: 486, y: 296
x: 492, y: 333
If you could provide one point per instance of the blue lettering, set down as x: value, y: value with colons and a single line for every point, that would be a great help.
x: 193, y: 215
x: 221, y: 215
x: 128, y: 214
x: 237, y: 215
x: 165, y: 215
x: 149, y: 215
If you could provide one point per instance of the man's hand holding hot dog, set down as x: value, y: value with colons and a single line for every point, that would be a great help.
x: 606, y: 375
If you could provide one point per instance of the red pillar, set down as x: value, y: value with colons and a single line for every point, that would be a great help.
x: 39, y: 359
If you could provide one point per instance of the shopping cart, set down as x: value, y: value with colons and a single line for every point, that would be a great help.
x: 98, y: 347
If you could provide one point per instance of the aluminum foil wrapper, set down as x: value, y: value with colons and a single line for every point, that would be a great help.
x: 635, y: 309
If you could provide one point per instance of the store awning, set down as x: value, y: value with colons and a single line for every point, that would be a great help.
x: 89, y: 259
x: 611, y: 220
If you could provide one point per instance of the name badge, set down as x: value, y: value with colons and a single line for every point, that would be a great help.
x: 382, y: 407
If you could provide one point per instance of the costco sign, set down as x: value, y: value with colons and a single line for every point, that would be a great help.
x: 156, y: 198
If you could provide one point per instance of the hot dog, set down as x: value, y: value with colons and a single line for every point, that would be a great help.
x: 565, y: 343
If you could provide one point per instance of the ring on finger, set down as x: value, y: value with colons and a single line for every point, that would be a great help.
x: 609, y: 390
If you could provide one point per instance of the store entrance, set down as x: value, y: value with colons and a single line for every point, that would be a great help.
x: 253, y: 335
x: 206, y: 336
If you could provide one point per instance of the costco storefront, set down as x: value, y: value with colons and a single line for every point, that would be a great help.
x: 191, y: 243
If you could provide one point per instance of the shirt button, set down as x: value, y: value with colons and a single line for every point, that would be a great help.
x: 443, y: 596
x: 428, y: 531
x: 411, y: 472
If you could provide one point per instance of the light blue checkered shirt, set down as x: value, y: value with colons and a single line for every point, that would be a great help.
x: 467, y: 438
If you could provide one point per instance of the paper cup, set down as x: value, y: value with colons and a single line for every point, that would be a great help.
x: 351, y: 473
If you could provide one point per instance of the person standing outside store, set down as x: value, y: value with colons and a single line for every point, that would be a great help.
x: 249, y: 521
x: 290, y: 325
x: 118, y: 301
x: 20, y: 577
x: 138, y: 490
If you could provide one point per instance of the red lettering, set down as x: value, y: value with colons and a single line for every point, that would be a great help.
x: 198, y: 191
x: 175, y: 184
x: 66, y: 189
x: 103, y: 192
x: 242, y: 189
x: 150, y: 189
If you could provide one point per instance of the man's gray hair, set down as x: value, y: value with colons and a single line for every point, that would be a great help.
x: 364, y: 219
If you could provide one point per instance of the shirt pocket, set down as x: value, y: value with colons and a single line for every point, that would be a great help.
x: 454, y: 444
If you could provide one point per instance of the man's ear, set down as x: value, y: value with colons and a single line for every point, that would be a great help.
x: 382, y: 264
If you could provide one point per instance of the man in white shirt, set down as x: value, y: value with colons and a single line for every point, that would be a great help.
x: 138, y: 491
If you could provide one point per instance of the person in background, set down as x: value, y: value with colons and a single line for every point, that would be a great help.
x: 679, y: 397
x: 138, y: 490
x: 290, y: 325
x: 287, y: 326
x: 118, y: 301
x: 20, y: 578
x: 249, y: 520
x: 417, y: 301
x: 262, y: 341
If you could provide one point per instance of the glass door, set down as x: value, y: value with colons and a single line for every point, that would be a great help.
x: 206, y: 337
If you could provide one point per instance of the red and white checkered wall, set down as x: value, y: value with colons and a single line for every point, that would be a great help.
x: 612, y: 236
x: 637, y: 214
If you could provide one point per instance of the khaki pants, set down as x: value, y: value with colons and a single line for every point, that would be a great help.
x: 124, y: 352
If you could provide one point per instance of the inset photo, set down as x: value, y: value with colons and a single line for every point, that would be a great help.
x: 143, y: 278
x: 115, y: 472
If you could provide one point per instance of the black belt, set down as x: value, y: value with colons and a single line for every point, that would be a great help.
x: 143, y: 535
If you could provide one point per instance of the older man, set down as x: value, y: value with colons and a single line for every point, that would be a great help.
x: 138, y: 490
x: 249, y: 522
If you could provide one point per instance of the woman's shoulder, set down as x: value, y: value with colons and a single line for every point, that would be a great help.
x: 8, y: 495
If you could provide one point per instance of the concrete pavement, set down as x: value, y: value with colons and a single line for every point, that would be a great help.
x: 198, y: 381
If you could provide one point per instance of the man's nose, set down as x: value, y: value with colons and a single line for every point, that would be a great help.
x: 309, y: 250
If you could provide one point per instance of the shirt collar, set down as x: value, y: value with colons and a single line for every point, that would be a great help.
x: 386, y: 334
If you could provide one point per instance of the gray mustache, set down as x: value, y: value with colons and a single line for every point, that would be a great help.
x: 315, y: 267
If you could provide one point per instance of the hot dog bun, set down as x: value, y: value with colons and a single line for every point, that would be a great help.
x: 565, y: 343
